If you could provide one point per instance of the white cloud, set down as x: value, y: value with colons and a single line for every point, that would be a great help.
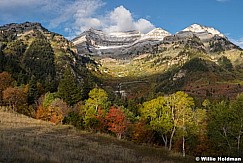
x: 73, y: 16
x: 121, y: 19
x: 53, y: 12
x: 144, y: 25
x: 222, y: 0
x: 238, y: 42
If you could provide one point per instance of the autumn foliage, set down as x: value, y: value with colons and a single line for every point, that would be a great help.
x: 5, y: 81
x: 55, y: 112
x: 141, y: 132
x: 116, y: 121
x: 14, y: 97
x: 101, y: 121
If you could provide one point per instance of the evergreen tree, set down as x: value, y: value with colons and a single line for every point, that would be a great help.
x: 1, y: 60
x: 38, y: 60
x: 225, y: 63
x: 32, y: 91
x: 68, y: 89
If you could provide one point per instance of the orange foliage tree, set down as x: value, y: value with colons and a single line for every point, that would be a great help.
x: 141, y: 133
x: 101, y: 121
x: 55, y: 112
x: 15, y: 97
x: 116, y: 121
x: 6, y: 81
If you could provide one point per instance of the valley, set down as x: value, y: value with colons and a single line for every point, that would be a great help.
x: 174, y: 91
x: 163, y: 56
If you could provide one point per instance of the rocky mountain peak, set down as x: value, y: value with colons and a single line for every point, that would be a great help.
x: 158, y: 33
x: 22, y: 27
x: 199, y: 29
x: 131, y: 43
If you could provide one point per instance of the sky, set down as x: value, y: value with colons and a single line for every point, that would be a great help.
x: 71, y: 17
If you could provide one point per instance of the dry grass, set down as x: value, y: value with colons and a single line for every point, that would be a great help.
x: 23, y: 139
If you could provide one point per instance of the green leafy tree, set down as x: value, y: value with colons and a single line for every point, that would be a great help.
x: 49, y: 98
x: 171, y: 115
x: 200, y: 119
x: 236, y: 123
x: 73, y: 118
x: 181, y: 105
x: 68, y: 89
x: 219, y: 129
x: 158, y: 116
x: 98, y: 98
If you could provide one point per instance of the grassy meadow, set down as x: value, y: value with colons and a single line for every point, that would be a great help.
x: 23, y: 139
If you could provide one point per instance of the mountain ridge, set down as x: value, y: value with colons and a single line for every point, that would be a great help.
x: 121, y: 44
x: 121, y: 57
x: 28, y: 49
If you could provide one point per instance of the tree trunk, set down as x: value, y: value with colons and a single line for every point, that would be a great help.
x: 226, y: 137
x: 238, y: 144
x: 183, y: 146
x: 183, y: 137
x: 165, y: 139
x: 119, y: 136
x: 171, y: 137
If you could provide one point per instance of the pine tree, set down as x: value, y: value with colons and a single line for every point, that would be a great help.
x: 1, y: 60
x: 68, y: 89
x: 38, y: 60
x: 33, y: 93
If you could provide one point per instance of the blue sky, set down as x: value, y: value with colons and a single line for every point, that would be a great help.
x: 71, y: 17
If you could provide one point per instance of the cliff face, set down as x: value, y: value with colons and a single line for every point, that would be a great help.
x: 119, y: 44
x: 124, y: 45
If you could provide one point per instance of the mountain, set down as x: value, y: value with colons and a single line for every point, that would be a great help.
x: 28, y: 49
x: 50, y: 72
x: 201, y: 31
x: 198, y: 59
x: 212, y: 39
x: 118, y: 44
x: 132, y: 43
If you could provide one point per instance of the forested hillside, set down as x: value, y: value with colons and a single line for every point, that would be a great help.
x: 185, y: 97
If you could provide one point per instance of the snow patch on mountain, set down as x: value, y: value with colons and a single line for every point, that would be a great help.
x: 102, y: 40
x: 196, y: 28
x: 156, y: 34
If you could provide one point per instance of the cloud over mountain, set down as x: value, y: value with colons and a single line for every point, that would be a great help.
x: 238, y: 42
x: 74, y: 15
x: 121, y: 19
x: 222, y: 0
